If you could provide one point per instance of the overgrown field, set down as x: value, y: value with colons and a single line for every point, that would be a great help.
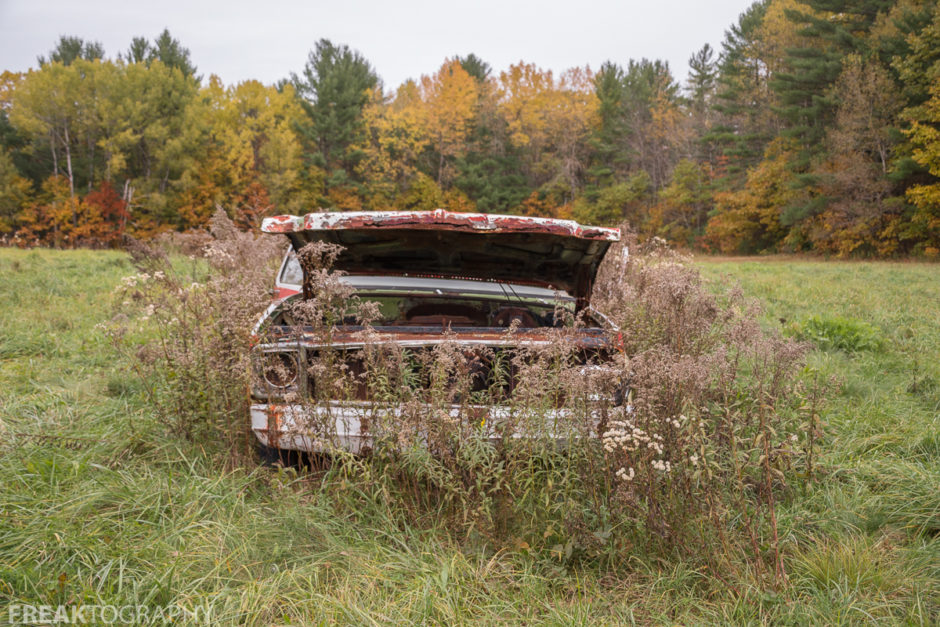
x: 113, y: 510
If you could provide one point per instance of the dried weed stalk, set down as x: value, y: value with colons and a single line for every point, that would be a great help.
x: 194, y: 353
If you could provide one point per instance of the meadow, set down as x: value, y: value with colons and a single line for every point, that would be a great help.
x: 101, y: 504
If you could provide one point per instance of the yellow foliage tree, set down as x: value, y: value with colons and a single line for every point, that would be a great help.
x: 925, y: 137
x: 397, y: 135
x: 748, y: 220
x: 549, y: 119
x: 449, y: 100
x: 249, y: 156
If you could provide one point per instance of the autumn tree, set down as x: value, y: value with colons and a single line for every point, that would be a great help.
x: 92, y: 121
x: 815, y: 128
x: 921, y: 75
x: 747, y: 220
x: 549, y: 122
x: 395, y: 142
x: 15, y: 191
x: 47, y: 106
x: 449, y: 98
x: 681, y: 210
x: 246, y: 155
x: 853, y: 178
x: 925, y: 136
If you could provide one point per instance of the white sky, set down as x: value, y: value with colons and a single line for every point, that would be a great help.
x: 269, y: 39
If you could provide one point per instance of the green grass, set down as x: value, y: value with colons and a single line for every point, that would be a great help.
x: 114, y: 510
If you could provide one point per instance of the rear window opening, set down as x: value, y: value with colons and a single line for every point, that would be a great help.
x: 405, y: 301
x: 436, y: 313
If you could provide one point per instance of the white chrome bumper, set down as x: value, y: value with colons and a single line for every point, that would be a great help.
x: 307, y: 428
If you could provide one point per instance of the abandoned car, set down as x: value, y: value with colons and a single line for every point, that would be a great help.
x: 484, y: 286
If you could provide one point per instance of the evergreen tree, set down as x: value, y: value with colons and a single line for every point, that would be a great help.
x: 139, y: 51
x: 490, y: 171
x: 70, y: 48
x: 651, y: 109
x: 703, y: 73
x: 740, y: 131
x: 838, y: 28
x: 625, y: 140
x: 165, y: 49
x: 475, y: 67
x: 335, y: 85
x: 172, y: 54
x: 609, y: 157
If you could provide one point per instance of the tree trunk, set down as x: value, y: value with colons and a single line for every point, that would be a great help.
x: 68, y: 163
x: 440, y: 165
x: 127, y: 196
x: 55, y: 155
x: 91, y: 164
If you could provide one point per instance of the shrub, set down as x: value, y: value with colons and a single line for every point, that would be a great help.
x: 186, y: 326
x: 846, y: 334
x: 721, y: 425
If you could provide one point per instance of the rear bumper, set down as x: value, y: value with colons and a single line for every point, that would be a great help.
x: 348, y: 425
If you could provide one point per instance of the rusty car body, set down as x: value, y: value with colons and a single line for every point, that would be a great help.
x: 494, y: 281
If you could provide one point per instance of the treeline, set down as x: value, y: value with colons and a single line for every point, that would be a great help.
x: 815, y: 127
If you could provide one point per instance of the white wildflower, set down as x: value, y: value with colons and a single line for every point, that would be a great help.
x: 662, y: 466
x: 625, y: 474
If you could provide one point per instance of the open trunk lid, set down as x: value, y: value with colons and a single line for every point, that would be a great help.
x: 560, y: 254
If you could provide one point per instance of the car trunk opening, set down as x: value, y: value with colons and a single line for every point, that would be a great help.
x: 560, y: 254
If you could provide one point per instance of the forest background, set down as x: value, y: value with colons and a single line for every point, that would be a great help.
x: 815, y: 127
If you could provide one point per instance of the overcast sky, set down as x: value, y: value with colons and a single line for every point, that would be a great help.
x: 269, y: 39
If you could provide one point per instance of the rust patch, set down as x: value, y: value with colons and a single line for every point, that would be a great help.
x: 438, y: 219
x: 275, y: 413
